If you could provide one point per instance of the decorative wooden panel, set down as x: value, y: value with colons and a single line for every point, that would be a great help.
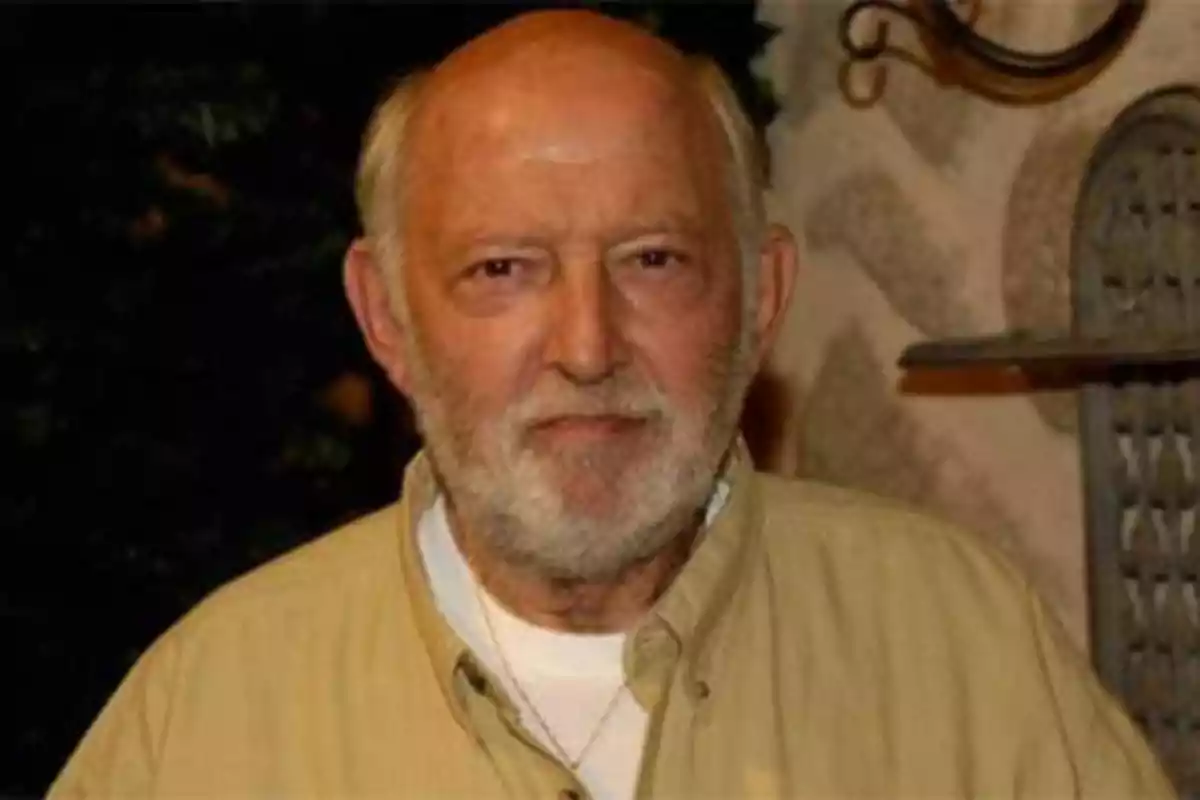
x: 1136, y: 278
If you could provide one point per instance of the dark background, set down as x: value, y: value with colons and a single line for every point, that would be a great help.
x: 183, y: 393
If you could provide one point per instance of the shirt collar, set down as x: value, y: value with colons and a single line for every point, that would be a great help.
x: 679, y: 624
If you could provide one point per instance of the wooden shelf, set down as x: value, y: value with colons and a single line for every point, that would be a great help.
x: 1044, y: 350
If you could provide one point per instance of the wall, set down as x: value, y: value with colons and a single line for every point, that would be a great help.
x: 937, y: 213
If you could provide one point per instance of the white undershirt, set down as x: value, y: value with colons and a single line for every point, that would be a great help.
x: 571, y: 678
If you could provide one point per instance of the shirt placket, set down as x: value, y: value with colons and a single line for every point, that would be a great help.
x: 650, y: 666
x: 526, y: 769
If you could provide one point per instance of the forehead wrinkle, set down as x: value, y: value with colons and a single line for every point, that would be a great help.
x: 552, y: 200
x: 561, y: 118
x: 542, y: 128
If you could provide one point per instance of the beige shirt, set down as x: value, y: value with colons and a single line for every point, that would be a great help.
x: 819, y: 644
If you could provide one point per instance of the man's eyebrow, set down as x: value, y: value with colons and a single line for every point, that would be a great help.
x: 491, y: 239
x: 674, y: 225
x: 483, y: 236
x: 475, y: 237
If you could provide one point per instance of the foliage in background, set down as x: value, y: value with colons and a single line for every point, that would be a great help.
x: 185, y: 392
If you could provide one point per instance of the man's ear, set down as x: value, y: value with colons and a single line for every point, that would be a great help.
x: 778, y: 261
x: 370, y: 298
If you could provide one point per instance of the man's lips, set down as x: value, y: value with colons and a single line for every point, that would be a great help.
x: 588, y: 426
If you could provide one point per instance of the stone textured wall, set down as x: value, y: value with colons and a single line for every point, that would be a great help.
x: 933, y: 213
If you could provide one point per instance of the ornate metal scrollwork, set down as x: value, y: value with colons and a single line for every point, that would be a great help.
x: 958, y: 54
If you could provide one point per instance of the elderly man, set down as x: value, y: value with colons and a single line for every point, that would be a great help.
x: 586, y: 589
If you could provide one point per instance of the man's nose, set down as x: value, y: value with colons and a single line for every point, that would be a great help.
x: 587, y: 343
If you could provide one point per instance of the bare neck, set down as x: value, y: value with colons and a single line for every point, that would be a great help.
x: 575, y: 606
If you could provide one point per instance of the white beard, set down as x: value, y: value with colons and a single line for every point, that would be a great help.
x: 582, y: 512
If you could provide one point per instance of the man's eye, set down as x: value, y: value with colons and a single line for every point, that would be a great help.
x: 497, y: 268
x: 658, y: 258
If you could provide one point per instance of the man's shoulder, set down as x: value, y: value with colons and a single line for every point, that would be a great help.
x: 880, y: 576
x: 350, y: 560
x: 855, y: 531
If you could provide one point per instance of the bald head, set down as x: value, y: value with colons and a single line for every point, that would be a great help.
x: 576, y: 80
x: 572, y: 84
x: 569, y: 36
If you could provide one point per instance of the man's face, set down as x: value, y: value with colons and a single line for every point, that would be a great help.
x: 576, y: 342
